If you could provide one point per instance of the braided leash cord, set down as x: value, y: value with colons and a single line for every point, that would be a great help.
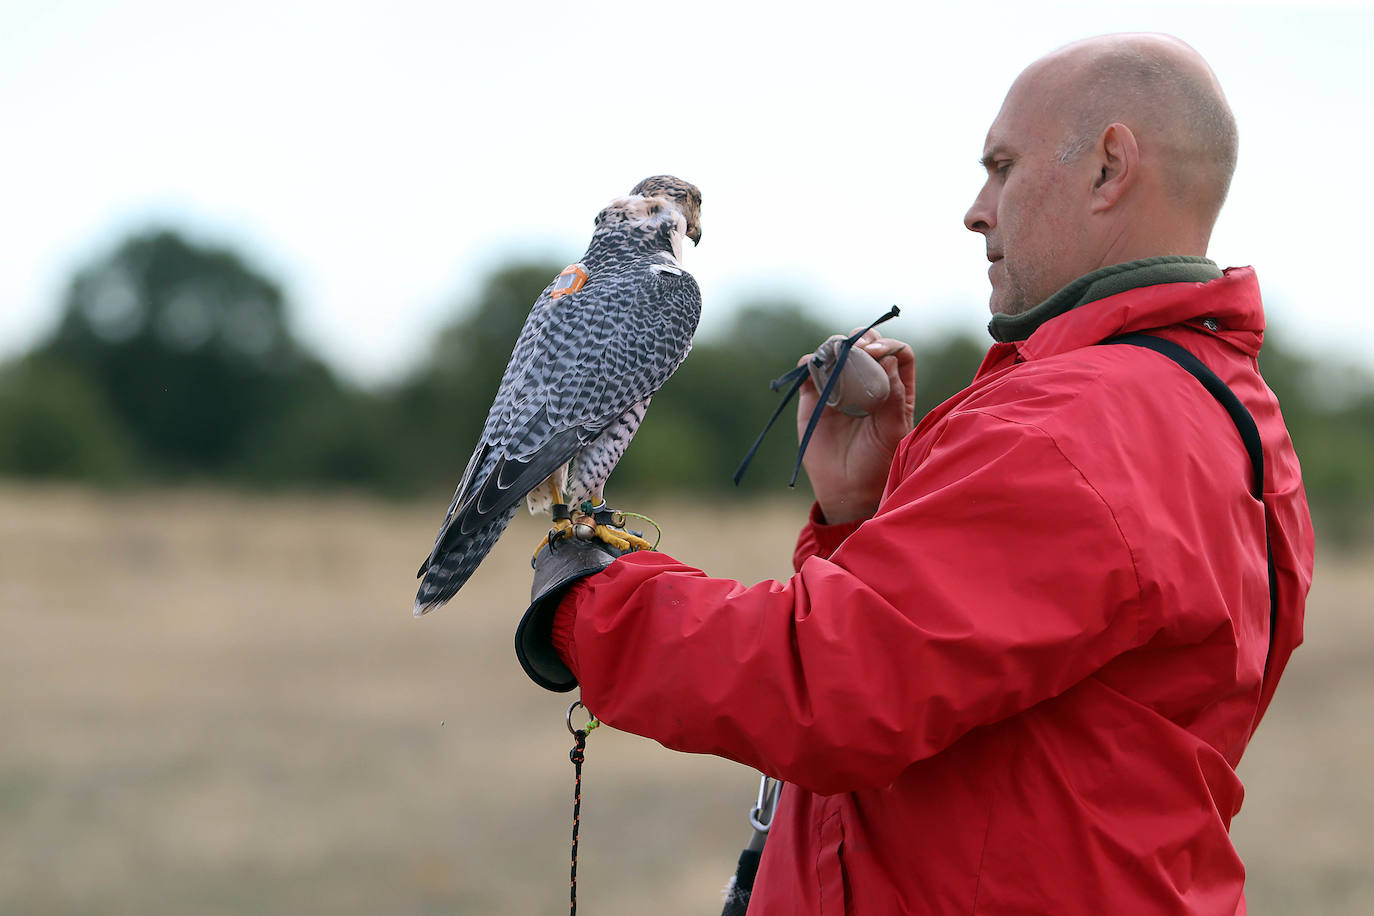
x: 577, y: 755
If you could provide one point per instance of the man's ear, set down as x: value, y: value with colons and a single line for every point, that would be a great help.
x: 1118, y: 158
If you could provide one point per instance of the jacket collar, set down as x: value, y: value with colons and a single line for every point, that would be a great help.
x: 1232, y: 302
x: 1099, y: 284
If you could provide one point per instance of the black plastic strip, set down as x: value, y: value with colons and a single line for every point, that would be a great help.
x: 797, y: 377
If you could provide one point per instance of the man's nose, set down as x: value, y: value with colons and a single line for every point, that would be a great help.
x: 982, y: 216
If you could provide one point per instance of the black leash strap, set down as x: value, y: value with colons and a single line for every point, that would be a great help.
x: 796, y: 378
x: 741, y: 887
x: 1249, y: 434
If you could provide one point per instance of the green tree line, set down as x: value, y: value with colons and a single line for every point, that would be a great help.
x: 173, y: 361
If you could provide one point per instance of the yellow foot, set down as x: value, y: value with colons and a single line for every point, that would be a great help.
x: 621, y: 539
x: 562, y: 528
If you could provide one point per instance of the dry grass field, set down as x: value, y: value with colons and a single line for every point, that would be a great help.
x: 215, y: 703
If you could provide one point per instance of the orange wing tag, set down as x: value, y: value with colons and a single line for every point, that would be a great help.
x: 569, y: 281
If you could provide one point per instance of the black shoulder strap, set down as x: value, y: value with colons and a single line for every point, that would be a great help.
x: 1249, y: 434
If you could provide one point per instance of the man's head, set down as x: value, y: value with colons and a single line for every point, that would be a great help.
x: 1106, y: 150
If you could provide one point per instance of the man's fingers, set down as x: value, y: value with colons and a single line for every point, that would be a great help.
x: 900, y: 369
x: 880, y: 347
x: 870, y: 336
x: 899, y: 360
x: 904, y: 359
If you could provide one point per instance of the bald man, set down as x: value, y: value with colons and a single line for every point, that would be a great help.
x: 1028, y: 641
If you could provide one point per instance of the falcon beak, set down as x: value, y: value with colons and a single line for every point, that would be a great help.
x: 694, y: 233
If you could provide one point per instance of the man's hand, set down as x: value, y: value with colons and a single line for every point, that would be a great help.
x: 848, y: 458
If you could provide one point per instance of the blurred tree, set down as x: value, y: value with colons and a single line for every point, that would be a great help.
x: 173, y: 358
x: 709, y: 413
x: 702, y: 421
x: 1328, y: 407
x: 444, y: 403
x: 326, y: 435
x: 55, y: 423
x: 189, y: 346
x: 945, y: 364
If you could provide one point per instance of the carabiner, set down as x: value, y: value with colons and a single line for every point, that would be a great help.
x: 769, y: 790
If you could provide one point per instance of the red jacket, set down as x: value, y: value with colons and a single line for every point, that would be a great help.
x: 1024, y: 684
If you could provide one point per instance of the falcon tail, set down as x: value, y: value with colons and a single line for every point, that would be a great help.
x: 446, y: 572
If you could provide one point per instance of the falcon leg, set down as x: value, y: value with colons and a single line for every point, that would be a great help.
x: 562, y: 528
x: 562, y: 521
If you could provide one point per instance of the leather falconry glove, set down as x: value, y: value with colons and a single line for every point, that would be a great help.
x: 557, y: 566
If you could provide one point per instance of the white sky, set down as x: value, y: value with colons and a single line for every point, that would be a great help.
x: 377, y: 157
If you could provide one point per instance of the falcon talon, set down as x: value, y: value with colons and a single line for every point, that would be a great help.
x: 550, y: 541
x: 561, y: 527
x: 624, y: 541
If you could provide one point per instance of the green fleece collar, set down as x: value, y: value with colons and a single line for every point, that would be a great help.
x: 1101, y: 283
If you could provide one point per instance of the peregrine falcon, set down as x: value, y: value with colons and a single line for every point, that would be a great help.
x: 604, y: 335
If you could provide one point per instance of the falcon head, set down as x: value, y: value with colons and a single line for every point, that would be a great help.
x: 678, y: 194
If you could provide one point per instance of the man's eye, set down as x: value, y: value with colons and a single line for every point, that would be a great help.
x: 1001, y: 168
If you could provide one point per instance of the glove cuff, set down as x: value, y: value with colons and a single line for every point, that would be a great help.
x: 555, y: 572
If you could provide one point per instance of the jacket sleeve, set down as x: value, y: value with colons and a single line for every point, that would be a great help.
x: 819, y: 539
x: 993, y: 576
